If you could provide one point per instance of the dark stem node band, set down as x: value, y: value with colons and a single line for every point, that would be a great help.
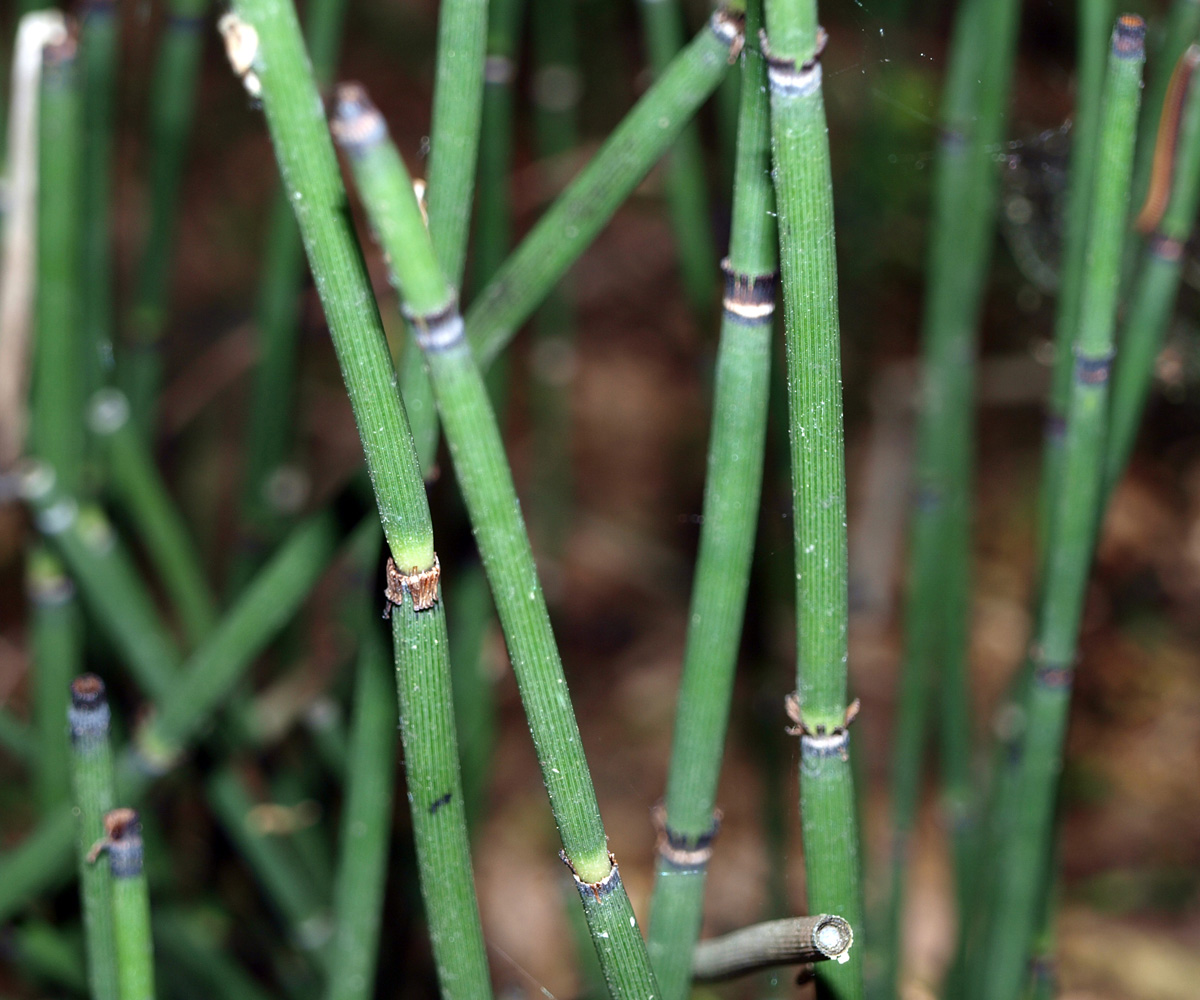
x: 1129, y: 37
x: 439, y: 330
x: 420, y: 584
x: 1165, y: 248
x: 679, y: 851
x: 749, y: 298
x: 357, y: 125
x: 595, y: 891
x: 1093, y: 371
x: 789, y: 78
x: 727, y: 25
x: 122, y: 842
x: 88, y: 716
x: 1049, y: 674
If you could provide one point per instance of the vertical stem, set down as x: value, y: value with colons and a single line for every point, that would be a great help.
x: 277, y: 70
x: 141, y: 491
x: 277, y: 317
x: 487, y: 487
x: 731, y: 504
x: 686, y: 190
x: 803, y: 191
x: 130, y: 905
x: 1025, y: 858
x: 365, y: 827
x: 100, y: 50
x: 973, y: 117
x: 172, y: 106
x: 92, y: 779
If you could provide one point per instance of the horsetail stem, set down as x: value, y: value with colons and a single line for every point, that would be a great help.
x: 803, y: 192
x: 731, y: 496
x: 486, y: 483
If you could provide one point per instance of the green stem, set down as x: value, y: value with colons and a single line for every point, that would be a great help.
x: 172, y: 106
x: 130, y: 905
x: 100, y: 51
x: 573, y: 221
x: 92, y: 778
x: 965, y: 186
x: 731, y: 503
x: 365, y: 828
x: 803, y: 191
x: 277, y: 317
x: 1024, y: 859
x: 487, y: 488
x: 1157, y: 286
x: 685, y: 187
x: 56, y: 645
x: 142, y: 492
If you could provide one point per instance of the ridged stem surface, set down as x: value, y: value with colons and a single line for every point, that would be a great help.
x: 130, y: 910
x: 730, y: 515
x: 487, y: 487
x: 1024, y: 859
x: 804, y: 196
x: 93, y: 784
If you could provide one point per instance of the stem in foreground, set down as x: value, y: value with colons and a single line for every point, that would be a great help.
x: 130, y: 904
x: 486, y: 483
x: 803, y: 192
x: 731, y: 503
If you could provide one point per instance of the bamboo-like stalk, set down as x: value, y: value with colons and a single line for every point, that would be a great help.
x: 172, y: 105
x: 93, y: 782
x: 493, y: 218
x: 965, y: 185
x: 573, y: 221
x: 365, y: 827
x: 1024, y: 860
x: 1095, y: 20
x: 454, y: 135
x: 140, y: 489
x: 731, y: 503
x: 130, y: 905
x: 487, y: 488
x: 100, y: 51
x: 1153, y: 298
x: 270, y: 432
x: 56, y: 430
x: 803, y: 192
x: 685, y: 187
x: 470, y: 619
x: 265, y: 44
x: 794, y: 941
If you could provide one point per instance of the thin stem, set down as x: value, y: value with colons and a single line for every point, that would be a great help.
x: 271, y: 431
x: 573, y: 221
x: 130, y: 905
x: 794, y: 941
x: 487, y: 487
x: 365, y: 827
x: 92, y: 779
x: 172, y: 107
x: 140, y: 489
x: 685, y: 187
x: 1154, y: 293
x: 965, y: 185
x: 731, y: 503
x: 100, y: 51
x: 803, y: 191
x: 1024, y: 860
